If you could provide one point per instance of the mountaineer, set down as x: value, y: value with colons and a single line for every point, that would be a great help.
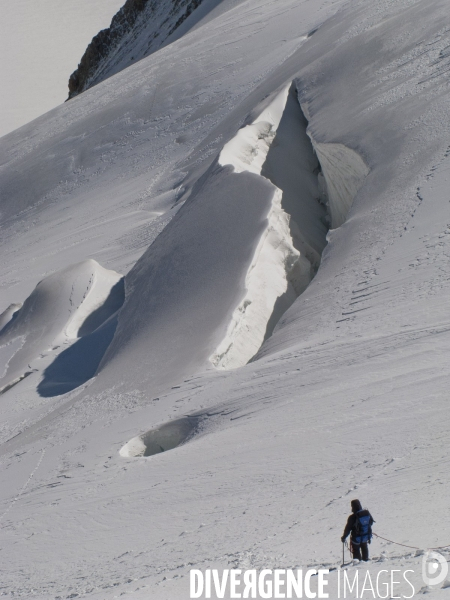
x: 359, y: 524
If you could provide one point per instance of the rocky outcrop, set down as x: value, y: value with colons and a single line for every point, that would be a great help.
x: 138, y: 29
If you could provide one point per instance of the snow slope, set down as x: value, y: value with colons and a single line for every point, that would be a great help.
x: 40, y: 43
x: 167, y: 173
x: 139, y: 28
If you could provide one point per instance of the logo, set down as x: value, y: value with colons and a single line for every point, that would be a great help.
x: 434, y: 568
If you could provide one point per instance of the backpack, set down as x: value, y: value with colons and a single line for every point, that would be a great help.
x: 362, y: 531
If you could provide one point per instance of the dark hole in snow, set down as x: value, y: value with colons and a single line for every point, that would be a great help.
x: 312, y: 32
x: 161, y: 439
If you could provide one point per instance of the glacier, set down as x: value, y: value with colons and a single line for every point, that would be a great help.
x: 194, y: 434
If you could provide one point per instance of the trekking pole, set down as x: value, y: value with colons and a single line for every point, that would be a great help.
x: 343, y: 553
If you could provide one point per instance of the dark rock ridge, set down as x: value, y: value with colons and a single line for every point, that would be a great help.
x: 138, y: 29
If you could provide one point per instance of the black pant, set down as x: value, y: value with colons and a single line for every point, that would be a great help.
x: 358, y: 549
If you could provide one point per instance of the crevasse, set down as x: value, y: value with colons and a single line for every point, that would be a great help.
x: 314, y: 185
x: 278, y: 269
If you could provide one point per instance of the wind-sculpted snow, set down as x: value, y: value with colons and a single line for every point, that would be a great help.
x: 63, y: 307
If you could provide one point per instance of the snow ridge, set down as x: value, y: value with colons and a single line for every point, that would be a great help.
x: 63, y: 307
x: 138, y: 29
x: 248, y: 150
x: 277, y: 270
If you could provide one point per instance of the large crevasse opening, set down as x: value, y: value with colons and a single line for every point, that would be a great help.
x: 314, y: 185
x: 161, y: 439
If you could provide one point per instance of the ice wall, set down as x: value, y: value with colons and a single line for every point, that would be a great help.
x: 275, y: 147
x: 278, y: 270
x: 343, y: 172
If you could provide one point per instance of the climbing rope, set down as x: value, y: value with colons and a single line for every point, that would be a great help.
x: 406, y: 546
x: 349, y: 548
